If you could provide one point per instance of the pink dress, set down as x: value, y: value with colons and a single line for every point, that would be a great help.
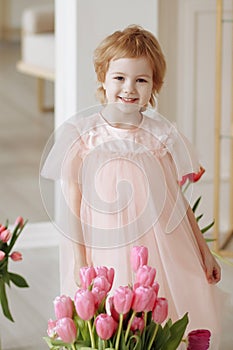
x: 130, y: 196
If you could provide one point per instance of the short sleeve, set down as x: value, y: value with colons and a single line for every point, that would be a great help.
x: 63, y: 160
x: 183, y: 154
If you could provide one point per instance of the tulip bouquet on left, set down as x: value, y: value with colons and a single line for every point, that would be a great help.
x: 7, y: 242
x: 134, y: 317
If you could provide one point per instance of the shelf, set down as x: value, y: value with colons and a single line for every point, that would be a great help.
x: 225, y: 136
x: 226, y: 20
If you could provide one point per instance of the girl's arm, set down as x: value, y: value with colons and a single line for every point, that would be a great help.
x: 212, y: 268
x: 79, y: 250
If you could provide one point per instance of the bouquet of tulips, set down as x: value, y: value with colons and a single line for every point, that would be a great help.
x: 132, y: 318
x: 7, y: 242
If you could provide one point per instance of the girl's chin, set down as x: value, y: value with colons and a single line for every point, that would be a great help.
x: 127, y: 107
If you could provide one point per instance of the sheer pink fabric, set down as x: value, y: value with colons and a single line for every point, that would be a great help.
x: 128, y: 180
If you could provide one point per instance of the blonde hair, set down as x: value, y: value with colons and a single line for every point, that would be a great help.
x: 132, y: 42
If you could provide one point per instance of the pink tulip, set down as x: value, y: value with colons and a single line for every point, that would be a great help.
x: 145, y: 275
x: 138, y: 257
x: 102, y: 283
x: 199, y: 339
x: 105, y: 326
x: 155, y: 286
x: 66, y: 330
x: 192, y: 177
x: 144, y: 299
x: 160, y: 311
x: 99, y: 296
x: 5, y: 235
x: 87, y: 274
x: 63, y: 307
x: 84, y: 302
x: 137, y: 324
x: 2, y: 228
x: 16, y: 256
x: 106, y: 272
x: 2, y: 255
x: 51, y: 330
x: 122, y: 299
x: 112, y: 309
x: 19, y: 221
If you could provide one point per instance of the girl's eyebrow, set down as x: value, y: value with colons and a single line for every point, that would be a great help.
x: 139, y: 75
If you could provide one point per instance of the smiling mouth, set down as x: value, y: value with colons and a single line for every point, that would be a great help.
x: 128, y: 99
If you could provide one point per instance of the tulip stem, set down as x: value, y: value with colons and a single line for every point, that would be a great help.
x: 153, y: 337
x: 129, y: 325
x: 73, y: 347
x: 91, y: 334
x: 144, y: 330
x: 119, y: 332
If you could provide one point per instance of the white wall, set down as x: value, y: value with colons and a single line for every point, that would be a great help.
x: 80, y: 26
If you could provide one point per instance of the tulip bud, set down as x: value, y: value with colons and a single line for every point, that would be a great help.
x: 51, y: 330
x: 16, y: 256
x: 2, y: 255
x: 2, y: 228
x: 63, y: 307
x: 160, y: 311
x: 145, y: 275
x: 66, y: 330
x: 144, y: 299
x: 87, y: 274
x: 105, y: 326
x: 102, y: 283
x: 137, y: 324
x: 108, y: 273
x: 85, y: 304
x: 194, y: 177
x: 19, y: 221
x: 122, y: 299
x: 99, y: 296
x: 199, y: 339
x: 138, y: 257
x: 5, y: 235
x: 155, y: 286
x: 112, y: 309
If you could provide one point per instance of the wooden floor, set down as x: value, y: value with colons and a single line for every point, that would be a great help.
x: 23, y: 134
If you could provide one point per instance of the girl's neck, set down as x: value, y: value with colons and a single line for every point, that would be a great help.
x: 119, y: 119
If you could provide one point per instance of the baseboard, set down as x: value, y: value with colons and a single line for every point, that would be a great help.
x: 37, y: 235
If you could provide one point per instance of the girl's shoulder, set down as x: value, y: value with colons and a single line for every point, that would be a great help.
x: 83, y: 124
x: 158, y: 125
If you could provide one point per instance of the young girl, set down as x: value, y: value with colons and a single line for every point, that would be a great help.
x: 120, y: 171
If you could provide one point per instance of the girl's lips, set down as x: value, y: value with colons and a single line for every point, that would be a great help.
x: 128, y: 99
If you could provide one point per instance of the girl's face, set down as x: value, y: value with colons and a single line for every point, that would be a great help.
x: 129, y: 83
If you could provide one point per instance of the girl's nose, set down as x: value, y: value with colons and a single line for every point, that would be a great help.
x: 129, y: 87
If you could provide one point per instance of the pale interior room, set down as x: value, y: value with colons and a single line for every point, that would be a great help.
x: 34, y: 100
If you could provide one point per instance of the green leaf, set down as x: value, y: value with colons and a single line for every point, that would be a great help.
x: 210, y: 239
x: 206, y: 228
x: 198, y: 218
x: 196, y: 204
x: 18, y: 280
x: 48, y: 341
x: 4, y: 301
x: 6, y: 277
x: 177, y: 331
x: 162, y: 336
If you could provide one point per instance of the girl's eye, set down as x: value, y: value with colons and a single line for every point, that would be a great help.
x: 119, y: 78
x: 141, y: 80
